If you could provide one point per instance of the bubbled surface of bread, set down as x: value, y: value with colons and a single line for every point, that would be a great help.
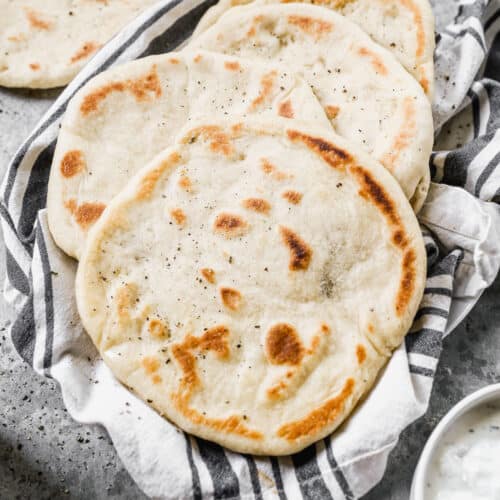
x: 404, y: 27
x: 369, y: 97
x: 246, y: 316
x: 123, y: 117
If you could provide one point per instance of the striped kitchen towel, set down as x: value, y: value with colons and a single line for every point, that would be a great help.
x: 461, y: 225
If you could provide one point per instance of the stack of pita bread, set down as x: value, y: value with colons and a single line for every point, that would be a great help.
x: 243, y: 211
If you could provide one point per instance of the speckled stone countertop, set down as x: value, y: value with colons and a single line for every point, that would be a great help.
x: 44, y: 454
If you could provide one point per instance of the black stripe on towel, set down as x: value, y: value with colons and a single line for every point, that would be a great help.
x: 225, y: 481
x: 194, y: 471
x: 309, y: 475
x: 486, y: 174
x: 180, y: 31
x: 491, y: 20
x: 4, y: 213
x: 254, y: 477
x: 277, y: 477
x: 49, y: 299
x: 18, y: 158
x: 476, y: 112
x: 337, y: 471
x: 456, y: 164
x: 420, y: 370
x: 432, y: 251
x: 433, y: 311
x: 445, y: 267
x: 15, y: 274
x: 35, y: 196
x: 433, y: 166
x: 468, y: 31
x: 22, y: 330
x: 425, y: 341
x: 492, y: 69
x: 496, y: 197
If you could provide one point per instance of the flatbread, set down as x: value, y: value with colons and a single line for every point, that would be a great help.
x: 404, y: 27
x: 370, y: 98
x: 255, y: 308
x: 44, y: 43
x: 125, y: 116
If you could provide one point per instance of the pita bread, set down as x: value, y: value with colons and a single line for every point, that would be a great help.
x: 125, y: 116
x: 370, y: 98
x: 44, y: 43
x: 404, y: 27
x: 255, y: 308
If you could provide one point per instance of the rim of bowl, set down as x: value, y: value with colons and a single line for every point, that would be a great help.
x: 471, y: 401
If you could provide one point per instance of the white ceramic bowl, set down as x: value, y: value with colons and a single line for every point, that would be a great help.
x: 485, y: 395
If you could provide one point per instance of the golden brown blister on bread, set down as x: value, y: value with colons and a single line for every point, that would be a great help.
x: 142, y: 88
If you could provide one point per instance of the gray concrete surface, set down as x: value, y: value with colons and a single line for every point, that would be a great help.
x: 44, y: 454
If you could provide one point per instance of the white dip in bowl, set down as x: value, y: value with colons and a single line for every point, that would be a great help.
x: 466, y: 463
x: 461, y: 460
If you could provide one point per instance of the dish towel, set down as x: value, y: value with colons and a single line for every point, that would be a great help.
x: 461, y: 225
